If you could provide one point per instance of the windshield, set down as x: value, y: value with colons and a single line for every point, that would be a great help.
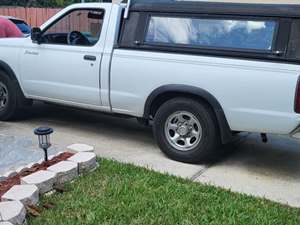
x: 23, y: 27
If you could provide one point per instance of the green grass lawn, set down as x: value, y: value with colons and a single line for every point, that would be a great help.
x: 124, y: 194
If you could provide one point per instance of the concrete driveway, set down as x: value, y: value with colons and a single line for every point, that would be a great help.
x: 266, y: 170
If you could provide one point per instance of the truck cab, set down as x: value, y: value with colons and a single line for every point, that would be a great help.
x: 65, y: 60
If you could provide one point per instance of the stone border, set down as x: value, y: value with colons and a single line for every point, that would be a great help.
x: 12, y: 208
x: 12, y: 173
x: 13, y: 212
x: 44, y: 180
x: 80, y: 148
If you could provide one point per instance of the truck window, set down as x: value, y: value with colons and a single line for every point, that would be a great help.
x: 212, y: 33
x: 80, y: 27
x: 294, y: 43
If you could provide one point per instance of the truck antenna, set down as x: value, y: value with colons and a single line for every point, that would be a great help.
x: 127, y: 9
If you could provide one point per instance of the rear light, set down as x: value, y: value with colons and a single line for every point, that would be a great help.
x: 297, y: 107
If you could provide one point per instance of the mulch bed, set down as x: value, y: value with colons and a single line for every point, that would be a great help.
x: 15, y: 180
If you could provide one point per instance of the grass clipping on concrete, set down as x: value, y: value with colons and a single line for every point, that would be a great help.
x: 124, y: 194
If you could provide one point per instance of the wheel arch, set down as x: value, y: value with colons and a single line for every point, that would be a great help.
x: 8, y: 70
x: 167, y: 92
x: 12, y: 76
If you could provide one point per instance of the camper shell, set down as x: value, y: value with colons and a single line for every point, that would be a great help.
x: 286, y: 43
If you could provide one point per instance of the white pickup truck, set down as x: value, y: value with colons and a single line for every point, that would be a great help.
x: 198, y: 72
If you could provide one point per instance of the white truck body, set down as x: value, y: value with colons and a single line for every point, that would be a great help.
x: 255, y: 95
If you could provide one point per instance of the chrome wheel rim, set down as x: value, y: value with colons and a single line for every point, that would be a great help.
x: 3, y: 96
x: 183, y: 130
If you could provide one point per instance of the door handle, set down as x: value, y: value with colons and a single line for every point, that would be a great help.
x: 90, y: 57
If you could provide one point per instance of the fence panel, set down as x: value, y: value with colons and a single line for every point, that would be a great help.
x: 35, y: 17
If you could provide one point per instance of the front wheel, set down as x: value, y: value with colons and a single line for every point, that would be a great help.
x: 186, y: 130
x: 12, y: 99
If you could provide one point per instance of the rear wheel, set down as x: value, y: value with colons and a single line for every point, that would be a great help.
x: 186, y: 130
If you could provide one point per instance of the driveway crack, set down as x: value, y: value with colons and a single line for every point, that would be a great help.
x: 200, y: 172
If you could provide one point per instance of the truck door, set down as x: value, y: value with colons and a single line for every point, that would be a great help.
x: 65, y: 65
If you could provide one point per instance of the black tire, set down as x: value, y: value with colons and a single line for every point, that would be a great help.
x: 203, y: 151
x: 15, y: 98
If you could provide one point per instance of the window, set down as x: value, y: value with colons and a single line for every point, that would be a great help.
x: 294, y: 43
x: 80, y: 27
x: 212, y: 33
x: 23, y: 27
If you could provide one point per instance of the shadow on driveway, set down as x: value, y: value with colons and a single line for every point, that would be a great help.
x: 253, y: 167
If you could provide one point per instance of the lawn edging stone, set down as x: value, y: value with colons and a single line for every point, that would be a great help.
x: 86, y: 161
x: 78, y: 147
x: 65, y: 171
x: 27, y: 194
x: 13, y: 203
x: 43, y: 179
x: 13, y: 212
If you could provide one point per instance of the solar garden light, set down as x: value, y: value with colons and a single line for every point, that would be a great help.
x: 43, y: 134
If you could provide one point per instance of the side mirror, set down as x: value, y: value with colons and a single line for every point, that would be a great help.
x: 36, y: 35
